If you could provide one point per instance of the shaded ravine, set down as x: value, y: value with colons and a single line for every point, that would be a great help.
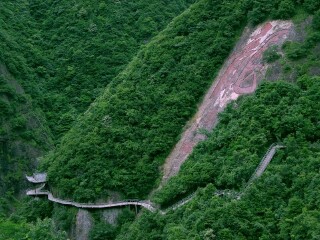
x: 147, y: 204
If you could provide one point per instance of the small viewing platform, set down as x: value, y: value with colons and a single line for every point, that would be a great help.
x: 37, y: 178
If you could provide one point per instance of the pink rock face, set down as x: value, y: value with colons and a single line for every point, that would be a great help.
x: 239, y: 75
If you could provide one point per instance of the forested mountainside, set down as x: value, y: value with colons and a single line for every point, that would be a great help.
x: 23, y: 137
x: 51, y: 53
x: 24, y: 134
x: 131, y: 128
x: 55, y: 58
x: 278, y: 112
x: 148, y: 70
x: 85, y: 44
x: 282, y: 204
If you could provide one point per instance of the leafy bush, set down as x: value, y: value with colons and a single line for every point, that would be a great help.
x: 19, y: 123
x: 4, y: 107
x: 102, y: 231
x: 271, y: 54
x: 294, y: 50
x: 11, y: 230
x: 316, y: 21
x: 311, y: 5
x: 286, y: 9
x: 45, y: 229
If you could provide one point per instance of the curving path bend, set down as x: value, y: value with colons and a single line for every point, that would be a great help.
x: 143, y: 203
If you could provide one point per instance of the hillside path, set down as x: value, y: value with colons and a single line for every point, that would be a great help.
x: 147, y: 204
x: 264, y: 162
x: 143, y: 203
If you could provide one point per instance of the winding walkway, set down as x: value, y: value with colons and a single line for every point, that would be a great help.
x: 147, y: 204
x: 134, y: 202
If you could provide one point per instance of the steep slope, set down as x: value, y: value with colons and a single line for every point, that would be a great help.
x: 56, y: 57
x: 240, y: 74
x: 179, y: 63
x: 120, y: 142
x: 300, y: 58
x: 282, y: 203
x: 84, y: 45
x: 24, y: 134
x: 124, y: 137
x: 33, y: 62
x: 34, y: 39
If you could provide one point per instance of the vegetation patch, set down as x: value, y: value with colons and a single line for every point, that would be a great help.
x: 271, y: 54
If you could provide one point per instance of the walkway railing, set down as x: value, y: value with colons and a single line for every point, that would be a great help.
x: 147, y: 203
x: 264, y: 162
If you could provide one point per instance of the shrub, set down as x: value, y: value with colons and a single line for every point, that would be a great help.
x: 271, y: 54
x: 316, y: 21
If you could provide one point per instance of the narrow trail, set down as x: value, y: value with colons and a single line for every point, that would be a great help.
x: 239, y: 75
x: 147, y: 204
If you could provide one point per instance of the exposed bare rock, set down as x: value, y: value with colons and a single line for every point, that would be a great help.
x: 84, y: 223
x: 239, y: 75
x: 111, y: 215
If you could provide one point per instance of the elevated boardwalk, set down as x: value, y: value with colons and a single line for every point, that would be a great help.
x: 39, y: 192
x: 147, y: 204
x: 264, y: 162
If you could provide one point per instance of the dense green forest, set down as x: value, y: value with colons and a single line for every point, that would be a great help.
x: 23, y: 138
x: 39, y: 41
x: 283, y: 203
x: 275, y: 113
x: 24, y: 134
x: 130, y: 129
x: 47, y: 79
x: 104, y: 89
x: 84, y: 45
x: 55, y: 59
